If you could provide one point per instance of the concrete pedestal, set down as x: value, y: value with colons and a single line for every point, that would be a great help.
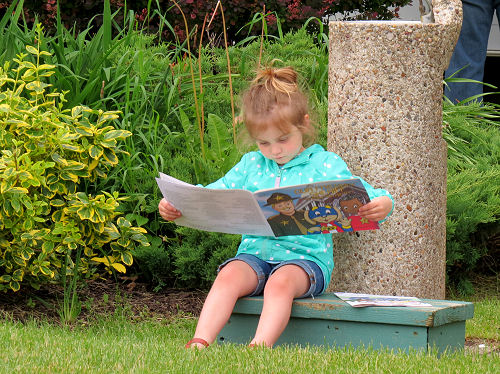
x: 385, y: 120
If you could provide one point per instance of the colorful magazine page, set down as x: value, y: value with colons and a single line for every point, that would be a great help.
x: 317, y: 208
x: 362, y: 300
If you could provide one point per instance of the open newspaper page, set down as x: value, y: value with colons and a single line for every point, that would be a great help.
x: 362, y: 300
x: 228, y: 211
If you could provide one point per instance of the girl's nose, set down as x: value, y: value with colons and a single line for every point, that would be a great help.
x: 275, y: 149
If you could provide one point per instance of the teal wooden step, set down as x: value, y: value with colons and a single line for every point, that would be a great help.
x: 328, y: 321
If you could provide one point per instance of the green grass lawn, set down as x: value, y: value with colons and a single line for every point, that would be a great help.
x: 117, y: 345
x: 486, y: 321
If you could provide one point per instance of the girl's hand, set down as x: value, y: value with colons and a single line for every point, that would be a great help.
x: 377, y: 209
x: 168, y: 211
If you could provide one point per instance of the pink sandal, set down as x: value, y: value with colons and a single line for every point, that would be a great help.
x: 197, y: 340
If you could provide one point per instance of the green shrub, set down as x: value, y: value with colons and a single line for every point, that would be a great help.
x: 473, y: 201
x: 47, y: 154
x: 154, y: 264
x: 473, y: 205
x: 197, y: 254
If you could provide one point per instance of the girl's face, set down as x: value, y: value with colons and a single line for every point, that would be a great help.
x: 278, y: 145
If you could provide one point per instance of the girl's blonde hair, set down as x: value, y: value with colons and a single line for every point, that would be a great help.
x: 274, y: 99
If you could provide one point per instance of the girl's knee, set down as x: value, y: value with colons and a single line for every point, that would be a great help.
x: 236, y: 274
x: 289, y: 280
x: 278, y: 288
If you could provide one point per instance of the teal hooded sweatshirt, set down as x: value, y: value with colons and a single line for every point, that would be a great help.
x: 255, y: 172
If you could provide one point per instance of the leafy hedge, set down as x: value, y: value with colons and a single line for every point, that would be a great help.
x: 152, y: 85
x: 47, y: 154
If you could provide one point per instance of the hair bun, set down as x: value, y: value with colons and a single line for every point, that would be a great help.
x: 282, y: 79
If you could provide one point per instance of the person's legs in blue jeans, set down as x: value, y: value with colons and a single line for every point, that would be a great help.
x: 470, y: 51
x: 497, y: 9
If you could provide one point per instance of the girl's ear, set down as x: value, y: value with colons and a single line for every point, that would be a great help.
x: 308, y: 131
x: 307, y: 121
x: 307, y: 127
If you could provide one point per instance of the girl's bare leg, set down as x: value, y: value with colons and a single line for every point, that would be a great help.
x: 285, y: 284
x: 235, y: 280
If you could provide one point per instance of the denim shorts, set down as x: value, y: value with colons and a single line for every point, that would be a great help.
x: 264, y: 270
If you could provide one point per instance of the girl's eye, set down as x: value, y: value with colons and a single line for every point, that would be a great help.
x: 263, y: 143
x: 282, y: 140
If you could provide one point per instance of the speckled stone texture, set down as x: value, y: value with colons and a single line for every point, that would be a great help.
x: 385, y: 119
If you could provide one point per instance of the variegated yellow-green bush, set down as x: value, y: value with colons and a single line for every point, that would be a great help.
x: 46, y: 153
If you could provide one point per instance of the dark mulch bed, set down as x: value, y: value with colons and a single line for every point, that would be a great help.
x: 101, y: 298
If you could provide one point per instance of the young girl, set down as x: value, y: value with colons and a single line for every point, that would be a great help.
x: 275, y: 114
